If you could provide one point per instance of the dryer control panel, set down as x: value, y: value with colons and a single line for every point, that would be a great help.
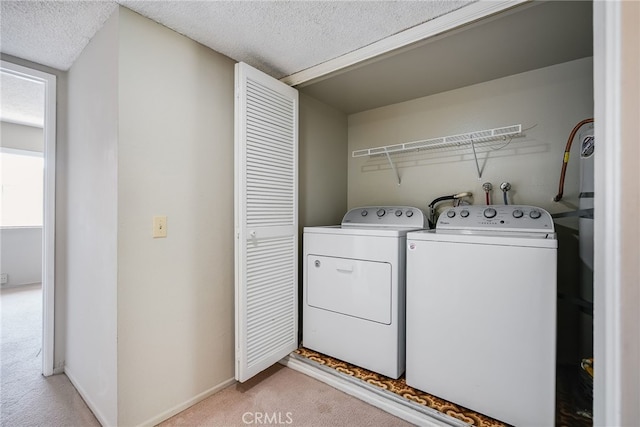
x: 385, y: 216
x: 520, y: 218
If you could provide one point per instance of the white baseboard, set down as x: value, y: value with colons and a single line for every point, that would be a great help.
x: 181, y: 407
x: 427, y: 417
x: 156, y: 419
x: 99, y: 415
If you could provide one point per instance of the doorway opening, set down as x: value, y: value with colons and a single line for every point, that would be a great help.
x: 29, y: 104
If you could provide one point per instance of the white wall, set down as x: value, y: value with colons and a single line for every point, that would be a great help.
x: 549, y: 101
x: 21, y: 255
x: 322, y: 163
x: 175, y: 295
x: 90, y: 159
x: 175, y: 158
x: 630, y: 225
x: 617, y: 202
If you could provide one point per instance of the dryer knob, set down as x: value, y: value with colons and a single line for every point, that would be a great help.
x: 535, y: 214
x: 451, y: 213
x: 517, y: 213
x: 398, y: 212
x: 490, y: 213
x: 381, y: 213
x: 464, y: 213
x: 409, y: 214
x: 364, y: 212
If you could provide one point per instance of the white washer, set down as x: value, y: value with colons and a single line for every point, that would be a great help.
x: 481, y: 312
x: 354, y: 287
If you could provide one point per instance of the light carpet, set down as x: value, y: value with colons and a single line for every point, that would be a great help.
x: 26, y: 397
x: 278, y: 396
x: 282, y: 396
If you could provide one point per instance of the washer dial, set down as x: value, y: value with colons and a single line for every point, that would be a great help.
x: 489, y: 213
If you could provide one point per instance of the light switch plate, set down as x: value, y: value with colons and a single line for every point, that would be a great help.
x: 159, y: 226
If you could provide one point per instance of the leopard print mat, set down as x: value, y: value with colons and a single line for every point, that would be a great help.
x: 566, y: 416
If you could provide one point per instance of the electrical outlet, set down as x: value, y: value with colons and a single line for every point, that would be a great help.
x: 4, y: 278
x: 159, y: 226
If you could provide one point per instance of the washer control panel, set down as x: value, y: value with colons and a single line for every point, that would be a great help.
x: 496, y: 217
x: 385, y: 216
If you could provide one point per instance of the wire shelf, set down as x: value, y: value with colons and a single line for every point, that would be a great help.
x: 457, y: 141
x: 453, y: 141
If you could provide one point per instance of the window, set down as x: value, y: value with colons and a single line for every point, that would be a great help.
x: 21, y: 180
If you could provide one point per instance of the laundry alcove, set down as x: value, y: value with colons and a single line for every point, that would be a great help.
x: 525, y: 65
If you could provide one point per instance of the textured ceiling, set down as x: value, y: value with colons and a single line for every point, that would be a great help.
x: 51, y: 33
x: 284, y: 37
x: 277, y: 37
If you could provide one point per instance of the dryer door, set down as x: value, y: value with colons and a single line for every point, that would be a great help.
x: 351, y: 287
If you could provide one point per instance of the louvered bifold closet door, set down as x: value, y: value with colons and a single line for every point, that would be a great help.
x: 266, y: 203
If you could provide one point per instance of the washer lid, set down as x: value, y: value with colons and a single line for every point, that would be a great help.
x: 520, y: 239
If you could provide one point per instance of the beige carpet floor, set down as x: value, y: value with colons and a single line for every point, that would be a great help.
x: 278, y: 396
x: 282, y: 396
x: 26, y: 397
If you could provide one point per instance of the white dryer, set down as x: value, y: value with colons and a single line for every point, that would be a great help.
x: 354, y: 287
x: 481, y: 312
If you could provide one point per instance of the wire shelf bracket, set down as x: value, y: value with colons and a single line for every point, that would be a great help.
x: 453, y: 141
